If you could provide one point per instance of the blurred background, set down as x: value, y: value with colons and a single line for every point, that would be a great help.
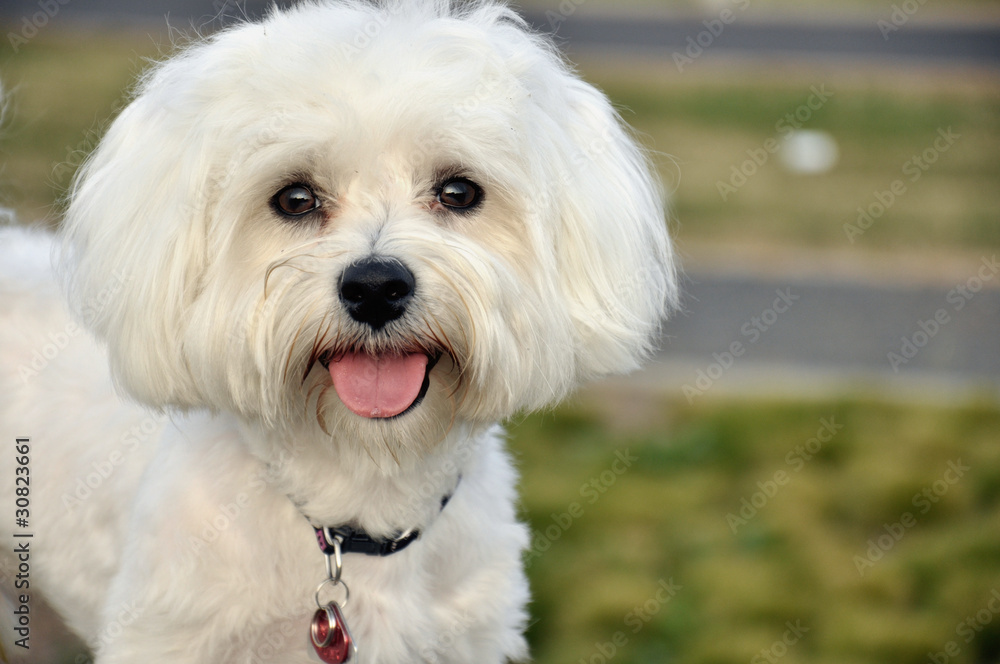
x: 809, y: 470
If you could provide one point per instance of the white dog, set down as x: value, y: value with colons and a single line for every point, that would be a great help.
x: 321, y: 256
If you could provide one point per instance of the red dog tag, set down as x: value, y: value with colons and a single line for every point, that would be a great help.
x: 330, y: 636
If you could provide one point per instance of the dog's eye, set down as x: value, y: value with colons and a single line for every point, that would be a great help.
x: 295, y: 200
x: 459, y: 194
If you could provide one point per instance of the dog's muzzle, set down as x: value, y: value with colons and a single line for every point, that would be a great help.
x: 379, y: 384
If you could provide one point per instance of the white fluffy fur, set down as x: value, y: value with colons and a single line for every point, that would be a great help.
x: 169, y: 527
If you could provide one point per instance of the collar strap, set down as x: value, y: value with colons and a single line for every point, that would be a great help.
x: 358, y: 541
x: 355, y: 540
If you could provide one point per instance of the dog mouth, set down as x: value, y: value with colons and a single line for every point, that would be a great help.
x: 380, y: 385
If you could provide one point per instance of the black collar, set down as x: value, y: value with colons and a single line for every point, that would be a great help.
x: 355, y: 540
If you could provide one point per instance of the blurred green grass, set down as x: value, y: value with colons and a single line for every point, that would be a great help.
x: 794, y: 561
x: 707, y: 128
x: 61, y: 91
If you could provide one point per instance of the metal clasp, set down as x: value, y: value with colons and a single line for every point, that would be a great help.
x: 334, y: 569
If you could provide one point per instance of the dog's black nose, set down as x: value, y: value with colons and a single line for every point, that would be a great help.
x: 376, y: 290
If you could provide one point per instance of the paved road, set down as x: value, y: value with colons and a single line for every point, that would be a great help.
x: 948, y: 334
x: 717, y: 34
x: 685, y: 40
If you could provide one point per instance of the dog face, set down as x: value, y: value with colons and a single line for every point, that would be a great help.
x: 370, y: 220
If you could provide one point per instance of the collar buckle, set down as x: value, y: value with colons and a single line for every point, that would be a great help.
x: 349, y: 540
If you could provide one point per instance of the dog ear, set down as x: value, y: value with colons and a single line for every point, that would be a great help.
x: 134, y: 242
x: 612, y: 247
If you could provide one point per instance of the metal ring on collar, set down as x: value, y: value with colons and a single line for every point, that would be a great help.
x: 335, y: 561
x: 347, y: 592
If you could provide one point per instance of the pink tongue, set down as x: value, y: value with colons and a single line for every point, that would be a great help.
x: 378, y: 386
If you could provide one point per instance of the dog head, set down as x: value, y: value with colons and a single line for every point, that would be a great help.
x: 373, y: 219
